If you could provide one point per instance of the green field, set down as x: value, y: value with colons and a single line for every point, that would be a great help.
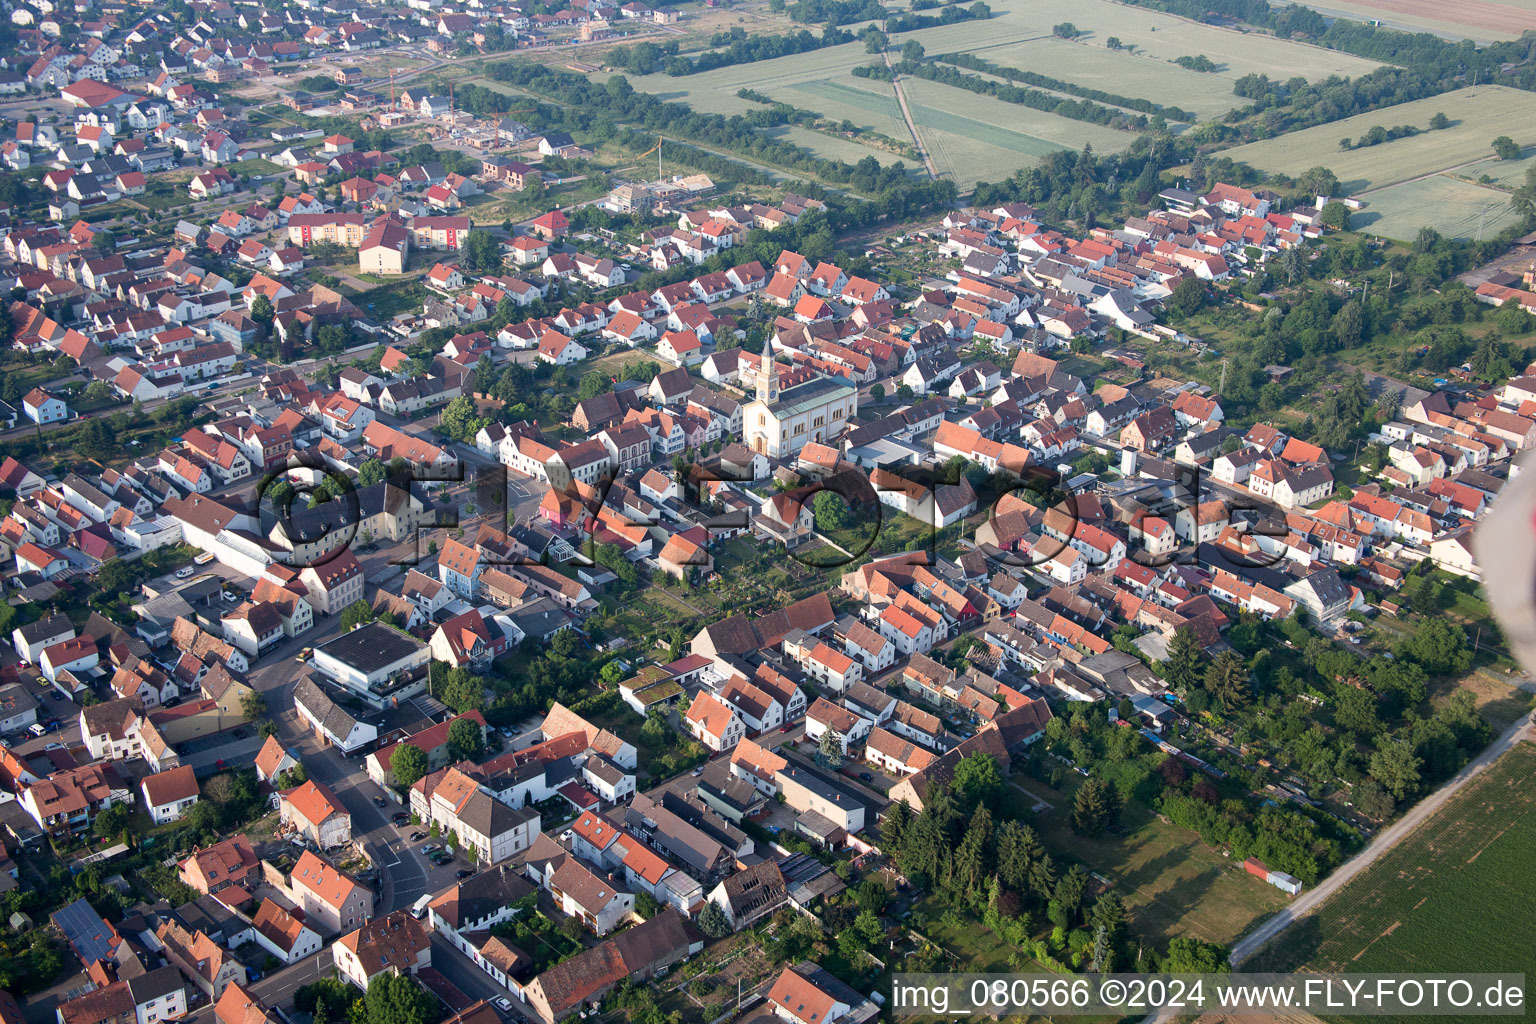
x: 1095, y: 66
x: 1455, y: 208
x: 1477, y: 116
x: 1453, y: 897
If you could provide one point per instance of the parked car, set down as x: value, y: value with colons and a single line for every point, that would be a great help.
x: 418, y: 836
x: 463, y: 873
x: 379, y: 801
x: 428, y: 850
x: 866, y: 777
x: 185, y: 572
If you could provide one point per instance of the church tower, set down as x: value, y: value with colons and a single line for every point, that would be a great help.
x: 768, y: 375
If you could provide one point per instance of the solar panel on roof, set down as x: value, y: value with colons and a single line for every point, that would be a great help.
x: 91, y: 938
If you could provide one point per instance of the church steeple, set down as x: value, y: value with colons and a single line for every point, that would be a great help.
x: 768, y: 375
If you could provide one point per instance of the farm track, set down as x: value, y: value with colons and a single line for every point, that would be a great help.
x: 901, y: 99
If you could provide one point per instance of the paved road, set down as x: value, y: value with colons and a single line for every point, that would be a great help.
x: 402, y: 872
x: 1385, y: 841
x: 465, y: 976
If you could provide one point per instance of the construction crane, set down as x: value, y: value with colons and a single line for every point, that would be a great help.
x: 657, y: 150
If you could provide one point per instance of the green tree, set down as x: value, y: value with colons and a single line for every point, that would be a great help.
x: 253, y: 704
x: 877, y: 391
x: 1440, y: 645
x: 830, y: 750
x: 398, y: 999
x: 875, y: 41
x: 1396, y: 767
x: 1506, y: 148
x: 466, y: 740
x: 977, y: 782
x: 370, y: 472
x: 1439, y: 121
x: 912, y: 51
x: 480, y: 252
x: 262, y: 311
x: 356, y: 614
x: 830, y: 510
x: 1334, y: 214
x: 408, y: 764
x: 1188, y: 296
x: 1182, y: 669
x: 1524, y: 198
x: 1191, y: 956
x: 1095, y: 808
x: 111, y: 822
x: 461, y: 689
x: 1318, y: 181
x: 459, y: 418
x: 1227, y: 681
x: 712, y: 922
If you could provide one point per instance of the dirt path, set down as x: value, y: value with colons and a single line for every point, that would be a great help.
x: 1386, y: 840
x: 901, y: 100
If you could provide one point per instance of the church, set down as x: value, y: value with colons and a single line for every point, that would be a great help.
x: 779, y: 424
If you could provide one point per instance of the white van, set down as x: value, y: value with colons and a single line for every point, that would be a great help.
x: 419, y: 908
x: 36, y: 729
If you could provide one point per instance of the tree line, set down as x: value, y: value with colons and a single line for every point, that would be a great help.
x: 1137, y: 103
x: 1077, y: 110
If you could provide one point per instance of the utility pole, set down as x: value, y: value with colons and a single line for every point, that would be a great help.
x: 659, y: 140
x: 1221, y: 388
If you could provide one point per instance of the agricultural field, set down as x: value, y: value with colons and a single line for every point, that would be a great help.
x: 1095, y: 66
x: 992, y: 138
x: 1455, y: 208
x: 1477, y: 116
x: 1454, y: 896
x: 974, y: 137
x: 1482, y: 21
x: 1153, y: 35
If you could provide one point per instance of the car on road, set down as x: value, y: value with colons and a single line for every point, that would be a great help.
x: 698, y: 771
x: 503, y: 1004
x: 379, y: 801
x: 240, y: 734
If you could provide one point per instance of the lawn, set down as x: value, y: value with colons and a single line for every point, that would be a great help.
x: 1173, y: 884
x: 1454, y: 896
x: 1477, y: 116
